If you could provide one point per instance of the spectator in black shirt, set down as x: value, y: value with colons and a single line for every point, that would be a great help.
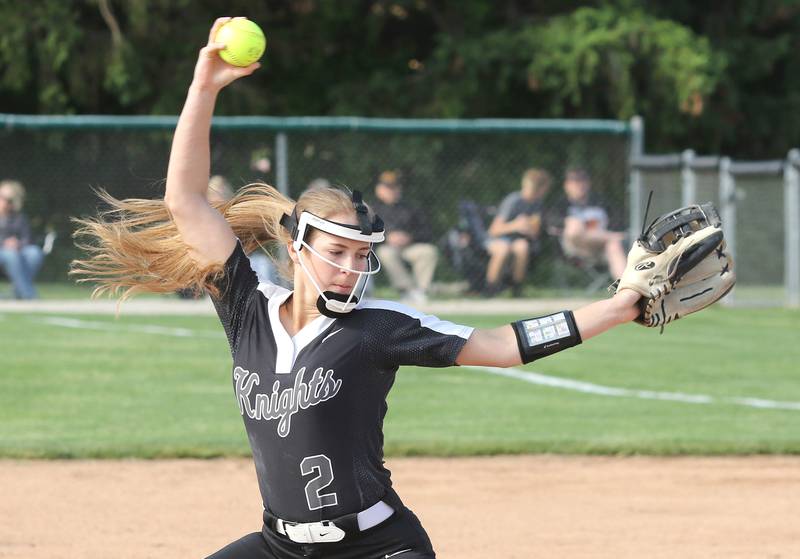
x: 19, y: 258
x: 407, y: 243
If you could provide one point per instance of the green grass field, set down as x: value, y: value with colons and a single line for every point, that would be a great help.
x: 96, y: 386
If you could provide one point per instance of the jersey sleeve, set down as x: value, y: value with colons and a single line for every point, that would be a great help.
x: 398, y: 335
x: 237, y: 285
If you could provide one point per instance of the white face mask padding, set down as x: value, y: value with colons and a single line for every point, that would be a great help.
x: 308, y: 219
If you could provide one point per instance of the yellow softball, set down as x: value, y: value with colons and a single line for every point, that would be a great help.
x: 244, y: 42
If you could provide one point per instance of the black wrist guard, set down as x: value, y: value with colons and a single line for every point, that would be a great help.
x: 546, y: 335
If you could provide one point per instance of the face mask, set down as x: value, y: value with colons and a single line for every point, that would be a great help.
x: 329, y: 303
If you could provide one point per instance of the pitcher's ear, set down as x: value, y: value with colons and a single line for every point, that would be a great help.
x: 292, y: 252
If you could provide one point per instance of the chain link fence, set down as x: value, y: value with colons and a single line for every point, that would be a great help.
x: 444, y: 165
x: 454, y: 172
x: 759, y: 203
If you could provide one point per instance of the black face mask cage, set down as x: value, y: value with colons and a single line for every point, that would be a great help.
x: 681, y: 223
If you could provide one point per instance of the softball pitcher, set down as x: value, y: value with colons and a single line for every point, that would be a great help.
x: 312, y: 366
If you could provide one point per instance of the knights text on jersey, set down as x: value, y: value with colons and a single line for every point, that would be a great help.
x: 313, y: 404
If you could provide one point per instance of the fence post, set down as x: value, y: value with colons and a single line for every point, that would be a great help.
x: 635, y: 181
x: 727, y: 200
x: 688, y: 179
x: 282, y: 163
x: 791, y: 208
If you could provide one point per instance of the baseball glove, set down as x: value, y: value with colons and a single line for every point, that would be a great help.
x: 679, y: 265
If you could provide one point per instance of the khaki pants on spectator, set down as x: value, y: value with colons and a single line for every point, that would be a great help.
x: 422, y: 258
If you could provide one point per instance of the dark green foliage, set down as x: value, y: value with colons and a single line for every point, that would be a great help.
x: 699, y: 76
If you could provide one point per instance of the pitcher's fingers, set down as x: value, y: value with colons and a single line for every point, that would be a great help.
x: 219, y: 22
x: 211, y: 50
x: 215, y: 47
x: 247, y: 70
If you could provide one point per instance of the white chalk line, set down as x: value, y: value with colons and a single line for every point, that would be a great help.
x: 526, y: 376
x: 67, y: 322
x: 598, y: 389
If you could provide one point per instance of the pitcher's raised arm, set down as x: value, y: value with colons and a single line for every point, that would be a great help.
x: 200, y: 225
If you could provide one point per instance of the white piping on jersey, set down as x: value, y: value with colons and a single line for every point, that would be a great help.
x: 396, y: 553
x: 331, y: 334
x: 288, y: 347
x: 271, y: 290
x: 426, y: 320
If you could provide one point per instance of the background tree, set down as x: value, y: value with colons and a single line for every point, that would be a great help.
x: 719, y: 81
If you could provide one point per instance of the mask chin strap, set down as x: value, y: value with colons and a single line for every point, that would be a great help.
x: 330, y: 303
x: 334, y: 304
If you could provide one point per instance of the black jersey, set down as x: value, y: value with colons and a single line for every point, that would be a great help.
x: 313, y: 404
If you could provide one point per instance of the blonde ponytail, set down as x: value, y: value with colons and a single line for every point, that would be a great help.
x: 134, y: 246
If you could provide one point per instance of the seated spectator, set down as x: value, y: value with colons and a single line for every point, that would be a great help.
x: 408, y: 241
x: 515, y: 231
x: 20, y: 259
x: 585, y: 233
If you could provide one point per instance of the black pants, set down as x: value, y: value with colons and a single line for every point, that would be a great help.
x: 400, y: 536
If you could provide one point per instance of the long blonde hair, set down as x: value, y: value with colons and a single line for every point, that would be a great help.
x: 135, y: 246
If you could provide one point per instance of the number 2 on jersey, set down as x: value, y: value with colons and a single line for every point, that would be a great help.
x: 321, y: 465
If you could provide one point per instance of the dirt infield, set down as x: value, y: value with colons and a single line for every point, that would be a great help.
x: 500, y: 507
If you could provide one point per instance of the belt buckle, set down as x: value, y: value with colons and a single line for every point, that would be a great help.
x: 314, y: 532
